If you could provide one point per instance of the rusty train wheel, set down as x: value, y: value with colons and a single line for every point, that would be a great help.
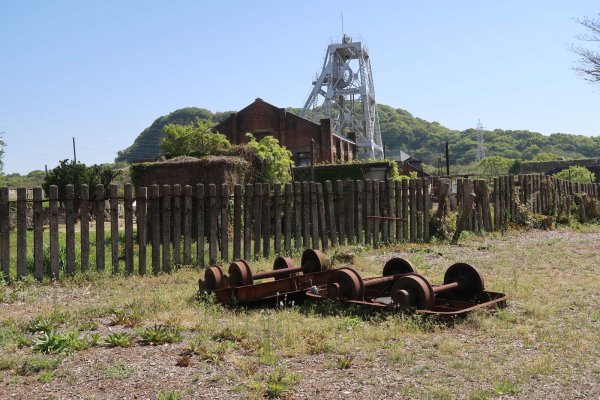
x: 240, y: 274
x: 345, y: 284
x: 214, y: 279
x: 397, y: 266
x: 413, y: 291
x: 470, y: 281
x: 314, y: 261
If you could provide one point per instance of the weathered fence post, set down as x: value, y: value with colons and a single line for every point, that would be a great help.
x: 383, y: 206
x: 340, y: 208
x: 4, y: 233
x: 237, y: 222
x: 258, y: 194
x: 350, y: 233
x: 330, y: 210
x: 322, y: 219
x: 155, y: 217
x: 128, y: 216
x: 419, y: 197
x: 412, y: 184
x: 70, y: 229
x: 314, y: 215
x: 426, y: 205
x: 277, y: 219
x: 54, y: 245
x: 398, y: 213
x: 305, y: 214
x: 266, y: 224
x: 84, y: 226
x: 38, y: 235
x: 21, y: 232
x: 212, y: 226
x: 99, y: 198
x: 176, y: 203
x: 359, y: 213
x: 187, y: 225
x: 200, y: 225
x: 166, y: 227
x: 224, y: 222
x: 405, y: 222
x: 298, y: 215
x: 376, y: 213
x: 142, y: 227
x: 114, y: 227
x: 287, y: 221
x: 248, y: 197
x: 369, y: 211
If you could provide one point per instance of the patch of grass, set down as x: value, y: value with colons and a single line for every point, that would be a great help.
x: 59, y: 343
x: 119, y: 339
x: 228, y: 334
x: 46, y: 376
x: 280, y: 381
x: 36, y: 363
x: 170, y: 395
x: 266, y: 352
x: 504, y: 387
x: 212, y: 353
x: 160, y: 334
x: 117, y: 371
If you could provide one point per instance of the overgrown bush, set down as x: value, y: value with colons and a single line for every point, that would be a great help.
x: 277, y: 160
x: 577, y: 174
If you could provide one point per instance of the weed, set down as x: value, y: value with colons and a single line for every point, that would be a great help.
x: 130, y: 316
x: 266, y: 352
x: 505, y: 386
x: 231, y: 335
x: 171, y: 395
x: 345, y: 361
x: 42, y: 324
x: 160, y: 334
x: 36, y: 363
x: 47, y: 376
x: 117, y: 371
x: 57, y: 343
x: 213, y: 354
x: 280, y: 381
x: 119, y: 339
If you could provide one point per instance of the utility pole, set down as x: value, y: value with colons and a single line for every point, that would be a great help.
x: 74, y: 153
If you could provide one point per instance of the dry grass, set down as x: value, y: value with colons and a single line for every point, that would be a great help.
x: 544, y: 345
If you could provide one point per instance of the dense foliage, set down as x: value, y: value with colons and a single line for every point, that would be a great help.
x: 77, y: 174
x: 277, y: 160
x: 195, y: 139
x: 577, y: 174
x: 422, y: 139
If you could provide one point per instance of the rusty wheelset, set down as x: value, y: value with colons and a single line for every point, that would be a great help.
x: 346, y: 283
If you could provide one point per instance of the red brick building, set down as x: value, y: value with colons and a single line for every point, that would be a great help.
x: 294, y: 132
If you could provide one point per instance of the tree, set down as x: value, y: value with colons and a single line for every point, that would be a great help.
x: 195, y: 139
x: 589, y: 60
x: 494, y: 166
x: 276, y: 158
x: 577, y: 174
x: 77, y: 174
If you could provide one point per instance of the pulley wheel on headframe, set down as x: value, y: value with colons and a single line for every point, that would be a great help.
x: 469, y: 279
x: 345, y: 284
x: 397, y: 266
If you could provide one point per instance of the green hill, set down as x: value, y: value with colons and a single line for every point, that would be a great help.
x: 146, y: 146
x: 422, y: 139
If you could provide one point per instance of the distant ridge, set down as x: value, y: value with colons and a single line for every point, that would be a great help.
x: 422, y: 139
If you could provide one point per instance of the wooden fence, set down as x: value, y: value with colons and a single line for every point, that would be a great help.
x: 162, y: 227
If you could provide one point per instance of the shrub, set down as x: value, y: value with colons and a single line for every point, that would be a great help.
x: 277, y: 160
x: 576, y: 174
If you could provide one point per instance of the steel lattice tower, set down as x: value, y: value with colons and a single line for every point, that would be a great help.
x: 480, y: 146
x: 345, y: 94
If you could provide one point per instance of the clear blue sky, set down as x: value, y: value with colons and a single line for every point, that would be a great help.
x: 102, y: 71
